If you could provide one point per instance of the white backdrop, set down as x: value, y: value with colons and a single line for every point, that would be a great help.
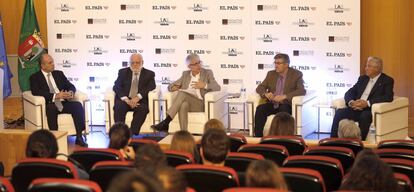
x: 90, y: 40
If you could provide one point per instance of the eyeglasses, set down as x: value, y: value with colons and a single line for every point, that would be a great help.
x: 194, y: 64
x: 135, y: 62
x: 278, y: 63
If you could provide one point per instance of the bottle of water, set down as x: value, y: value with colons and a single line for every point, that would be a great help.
x: 243, y: 93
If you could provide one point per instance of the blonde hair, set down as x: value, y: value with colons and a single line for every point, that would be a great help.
x: 265, y: 173
x: 348, y: 129
x: 282, y: 124
x: 213, y: 124
x: 183, y: 141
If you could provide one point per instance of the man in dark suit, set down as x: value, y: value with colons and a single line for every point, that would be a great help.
x: 131, y: 89
x: 192, y: 86
x: 58, y: 93
x: 278, y: 88
x: 373, y: 87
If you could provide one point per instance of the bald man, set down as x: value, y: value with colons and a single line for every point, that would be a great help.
x: 131, y: 89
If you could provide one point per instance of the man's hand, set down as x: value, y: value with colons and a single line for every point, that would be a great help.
x: 64, y: 95
x: 279, y: 98
x: 198, y: 85
x: 175, y: 88
x: 269, y: 96
x: 134, y: 102
x: 359, y: 104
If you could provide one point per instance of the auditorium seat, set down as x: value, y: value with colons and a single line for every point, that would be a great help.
x: 302, y: 179
x: 404, y: 183
x: 87, y: 157
x: 26, y: 170
x: 402, y: 166
x: 35, y: 113
x: 136, y: 143
x: 390, y: 119
x: 103, y: 172
x: 152, y: 117
x: 236, y: 140
x: 239, y: 162
x: 63, y: 185
x: 344, y: 155
x: 295, y: 145
x: 303, y: 112
x: 396, y: 144
x: 175, y: 158
x: 276, y: 153
x: 355, y: 145
x: 396, y: 153
x: 5, y: 185
x: 214, y: 108
x: 252, y: 189
x: 206, y: 178
x: 330, y: 168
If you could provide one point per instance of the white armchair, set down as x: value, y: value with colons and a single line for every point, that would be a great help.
x: 305, y: 115
x: 390, y: 119
x: 214, y: 108
x: 152, y: 117
x: 35, y: 113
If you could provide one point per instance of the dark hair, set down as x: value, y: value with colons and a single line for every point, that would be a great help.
x: 149, y: 158
x: 215, y: 145
x: 370, y: 173
x: 43, y: 144
x: 265, y: 173
x: 283, y: 56
x: 119, y: 135
x: 134, y: 181
x: 172, y: 179
x: 282, y: 124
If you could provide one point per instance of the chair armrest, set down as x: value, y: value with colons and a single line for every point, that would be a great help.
x: 169, y: 96
x: 338, y: 103
x: 300, y: 100
x: 80, y: 96
x: 109, y: 95
x: 397, y: 103
x: 215, y: 95
x: 35, y: 100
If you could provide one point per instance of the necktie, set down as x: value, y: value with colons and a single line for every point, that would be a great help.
x: 279, y: 89
x: 134, y: 86
x: 58, y: 103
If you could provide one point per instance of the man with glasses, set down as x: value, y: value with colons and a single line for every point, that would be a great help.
x: 192, y: 86
x: 373, y: 87
x: 131, y: 89
x: 278, y: 89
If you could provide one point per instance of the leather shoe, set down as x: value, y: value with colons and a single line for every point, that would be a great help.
x: 80, y: 142
x: 162, y: 126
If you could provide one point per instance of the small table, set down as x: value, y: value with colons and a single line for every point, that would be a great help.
x: 244, y: 102
x: 319, y: 106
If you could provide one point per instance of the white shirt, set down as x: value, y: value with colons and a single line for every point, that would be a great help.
x: 52, y: 80
x: 368, y: 88
x: 190, y: 89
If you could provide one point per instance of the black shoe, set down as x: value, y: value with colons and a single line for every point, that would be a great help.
x: 162, y: 126
x: 79, y: 141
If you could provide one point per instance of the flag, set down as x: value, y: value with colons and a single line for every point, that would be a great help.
x: 4, y: 65
x: 30, y: 46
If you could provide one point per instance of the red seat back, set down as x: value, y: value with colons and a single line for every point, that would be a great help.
x: 302, y: 179
x: 295, y: 145
x: 355, y: 145
x: 87, y: 157
x: 175, y: 158
x: 104, y: 171
x: 344, y: 155
x: 5, y: 185
x: 276, y: 153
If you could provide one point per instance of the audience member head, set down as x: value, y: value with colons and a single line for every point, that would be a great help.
x: 213, y: 124
x: 282, y: 124
x: 348, y: 129
x: 134, y: 181
x: 119, y: 136
x: 183, y: 141
x: 370, y: 173
x: 193, y: 63
x: 172, y: 180
x: 265, y: 174
x: 215, y: 145
x: 43, y: 144
x: 373, y: 67
x: 149, y: 158
x: 136, y: 62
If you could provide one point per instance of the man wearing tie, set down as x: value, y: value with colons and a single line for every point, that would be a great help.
x: 373, y: 87
x: 131, y: 89
x: 58, y: 93
x: 278, y: 88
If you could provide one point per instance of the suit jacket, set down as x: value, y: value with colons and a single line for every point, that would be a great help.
x: 381, y: 92
x: 146, y: 83
x: 39, y: 87
x: 293, y: 84
x: 206, y: 75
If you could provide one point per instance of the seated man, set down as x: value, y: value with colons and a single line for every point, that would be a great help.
x: 215, y: 145
x: 131, y: 89
x: 58, y: 93
x: 192, y: 86
x: 278, y: 88
x: 373, y: 87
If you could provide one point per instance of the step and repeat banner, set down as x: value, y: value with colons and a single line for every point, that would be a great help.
x: 91, y: 40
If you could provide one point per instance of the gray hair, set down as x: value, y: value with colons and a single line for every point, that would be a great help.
x: 192, y: 56
x: 348, y: 129
x: 377, y: 61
